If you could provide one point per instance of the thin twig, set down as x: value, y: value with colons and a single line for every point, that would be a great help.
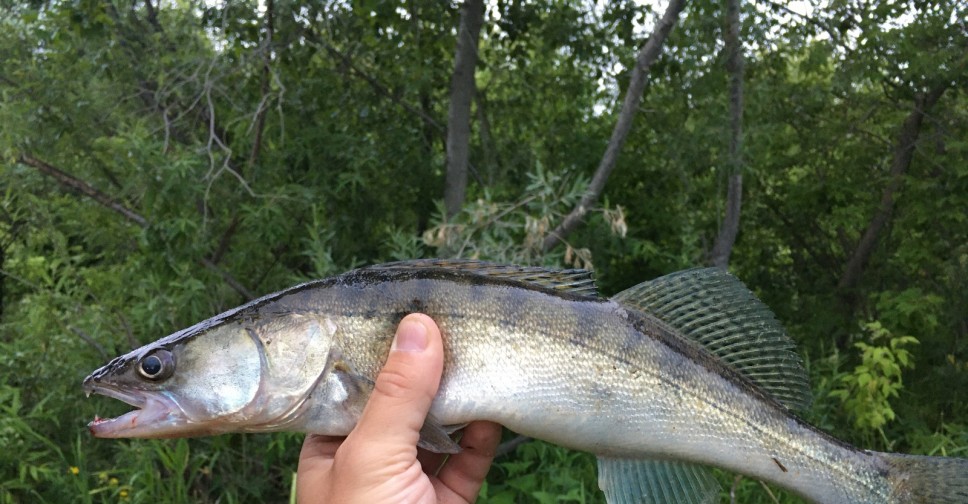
x: 732, y: 489
x: 229, y: 279
x: 128, y: 333
x: 90, y: 341
x: 769, y: 492
x: 492, y: 220
x: 509, y: 446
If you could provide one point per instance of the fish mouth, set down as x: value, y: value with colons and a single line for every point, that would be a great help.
x: 156, y: 416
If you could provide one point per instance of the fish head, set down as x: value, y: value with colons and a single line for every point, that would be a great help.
x: 246, y: 375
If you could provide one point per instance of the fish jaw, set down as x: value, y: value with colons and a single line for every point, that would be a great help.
x: 157, y: 415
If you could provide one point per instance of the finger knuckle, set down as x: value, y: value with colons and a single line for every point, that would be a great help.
x: 394, y: 383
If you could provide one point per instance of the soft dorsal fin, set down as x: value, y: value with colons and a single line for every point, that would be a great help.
x: 573, y: 281
x: 712, y: 307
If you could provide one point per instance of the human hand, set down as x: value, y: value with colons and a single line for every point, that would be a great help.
x: 379, y: 461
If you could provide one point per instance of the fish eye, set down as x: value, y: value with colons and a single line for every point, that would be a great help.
x: 157, y: 365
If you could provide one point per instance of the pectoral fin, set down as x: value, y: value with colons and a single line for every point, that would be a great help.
x: 434, y: 437
x: 644, y: 481
x: 357, y: 388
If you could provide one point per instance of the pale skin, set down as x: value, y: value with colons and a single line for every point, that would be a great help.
x: 379, y: 460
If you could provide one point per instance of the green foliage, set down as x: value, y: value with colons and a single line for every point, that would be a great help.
x: 867, y: 391
x: 545, y: 474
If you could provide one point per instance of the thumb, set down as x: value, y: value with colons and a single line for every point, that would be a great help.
x: 405, y: 387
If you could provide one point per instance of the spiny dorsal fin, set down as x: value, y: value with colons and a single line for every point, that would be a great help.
x: 573, y: 281
x: 712, y: 307
x: 646, y: 481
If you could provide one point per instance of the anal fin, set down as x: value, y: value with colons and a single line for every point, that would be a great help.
x: 647, y: 481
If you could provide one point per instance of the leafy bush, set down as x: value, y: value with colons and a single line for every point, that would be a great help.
x: 866, y: 393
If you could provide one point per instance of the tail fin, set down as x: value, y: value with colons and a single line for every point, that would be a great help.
x: 919, y: 479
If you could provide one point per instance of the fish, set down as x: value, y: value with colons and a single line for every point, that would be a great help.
x: 661, y: 382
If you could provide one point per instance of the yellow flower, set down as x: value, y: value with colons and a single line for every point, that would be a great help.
x: 113, y: 482
x: 123, y: 493
x: 74, y: 470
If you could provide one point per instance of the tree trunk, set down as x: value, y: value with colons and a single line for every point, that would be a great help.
x: 459, y: 114
x: 903, y: 154
x: 633, y: 95
x: 719, y: 256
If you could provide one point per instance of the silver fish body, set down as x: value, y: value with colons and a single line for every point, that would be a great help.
x: 553, y: 363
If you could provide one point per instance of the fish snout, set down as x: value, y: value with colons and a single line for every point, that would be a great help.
x: 89, y: 385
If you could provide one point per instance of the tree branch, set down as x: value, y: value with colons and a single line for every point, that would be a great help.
x: 6, y: 80
x: 84, y: 188
x: 459, y: 112
x: 903, y: 154
x: 834, y: 36
x: 260, y: 121
x: 229, y: 279
x: 827, y: 261
x: 633, y: 96
x: 90, y: 341
x: 105, y: 200
x: 128, y: 333
x: 153, y: 16
x: 719, y: 256
x: 223, y: 243
x: 375, y: 84
x: 384, y: 91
